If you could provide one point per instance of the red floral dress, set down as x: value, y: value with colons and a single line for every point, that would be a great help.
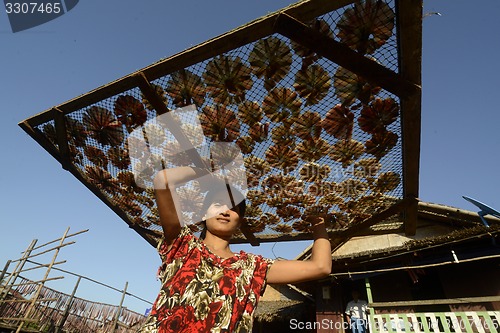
x: 202, y: 292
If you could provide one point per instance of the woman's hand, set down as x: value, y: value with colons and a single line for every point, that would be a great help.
x: 317, y: 267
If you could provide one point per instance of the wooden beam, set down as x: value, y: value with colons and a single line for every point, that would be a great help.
x: 308, y: 10
x: 150, y: 93
x: 150, y: 236
x: 250, y: 237
x: 344, y: 56
x: 62, y: 138
x: 19, y: 319
x: 409, y: 32
x: 41, y: 139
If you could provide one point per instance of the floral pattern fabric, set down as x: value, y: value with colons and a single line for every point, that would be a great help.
x: 202, y: 292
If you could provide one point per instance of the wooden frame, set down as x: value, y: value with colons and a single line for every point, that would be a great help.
x: 289, y: 22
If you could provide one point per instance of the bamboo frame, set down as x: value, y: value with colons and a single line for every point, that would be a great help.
x: 34, y: 298
x: 46, y: 303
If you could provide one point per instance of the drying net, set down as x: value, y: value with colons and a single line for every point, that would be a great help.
x: 314, y: 138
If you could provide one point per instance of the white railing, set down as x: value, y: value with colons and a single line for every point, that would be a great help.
x: 437, y: 322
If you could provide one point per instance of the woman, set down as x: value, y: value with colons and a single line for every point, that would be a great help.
x: 205, y: 286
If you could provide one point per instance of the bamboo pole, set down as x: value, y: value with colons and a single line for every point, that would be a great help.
x: 5, y: 270
x: 68, y: 236
x: 19, y: 319
x: 28, y: 300
x: 68, y: 307
x: 37, y: 294
x: 39, y: 281
x: 119, y: 310
x: 41, y: 266
x: 57, y: 248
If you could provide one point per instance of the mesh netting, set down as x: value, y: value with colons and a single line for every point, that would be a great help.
x: 316, y: 138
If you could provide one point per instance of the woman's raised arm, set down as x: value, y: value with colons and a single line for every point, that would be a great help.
x: 317, y: 267
x: 165, y: 183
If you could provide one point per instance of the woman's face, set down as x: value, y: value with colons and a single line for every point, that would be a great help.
x: 221, y: 219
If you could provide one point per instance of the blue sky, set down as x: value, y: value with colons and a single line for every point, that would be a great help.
x: 100, y: 41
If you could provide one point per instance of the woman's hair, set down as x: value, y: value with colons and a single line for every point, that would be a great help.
x: 233, y: 194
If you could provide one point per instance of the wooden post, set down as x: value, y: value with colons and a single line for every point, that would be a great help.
x: 368, y: 290
x: 40, y: 286
x: 68, y: 307
x: 371, y: 311
x: 409, y: 31
x: 118, y: 312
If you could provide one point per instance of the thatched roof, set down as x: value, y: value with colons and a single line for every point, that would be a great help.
x: 268, y: 311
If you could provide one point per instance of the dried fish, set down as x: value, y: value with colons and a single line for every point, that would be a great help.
x: 185, y: 88
x: 101, y: 125
x: 270, y: 59
x: 366, y: 26
x: 312, y: 84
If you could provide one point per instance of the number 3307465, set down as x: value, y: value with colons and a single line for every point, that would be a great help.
x: 32, y: 8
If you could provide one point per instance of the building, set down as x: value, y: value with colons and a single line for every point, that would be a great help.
x: 442, y: 279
